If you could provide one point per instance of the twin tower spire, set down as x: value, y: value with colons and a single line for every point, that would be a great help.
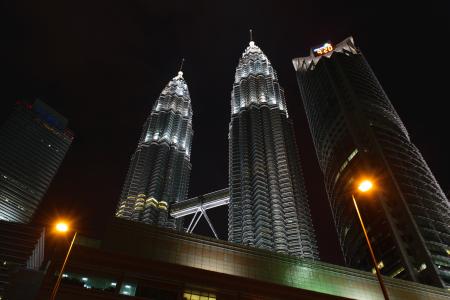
x: 268, y: 205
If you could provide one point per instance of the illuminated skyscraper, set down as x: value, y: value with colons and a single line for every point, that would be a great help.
x: 268, y: 203
x: 159, y: 170
x: 33, y: 143
x: 357, y: 131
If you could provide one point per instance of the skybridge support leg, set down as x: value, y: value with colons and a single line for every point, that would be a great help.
x: 196, y: 221
x: 209, y: 222
x: 188, y: 230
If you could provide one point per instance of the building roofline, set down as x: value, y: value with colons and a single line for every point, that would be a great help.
x: 308, y: 62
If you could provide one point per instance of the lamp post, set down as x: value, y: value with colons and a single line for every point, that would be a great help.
x: 365, y: 186
x: 61, y: 228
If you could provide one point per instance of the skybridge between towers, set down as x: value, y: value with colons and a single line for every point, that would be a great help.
x: 198, y: 207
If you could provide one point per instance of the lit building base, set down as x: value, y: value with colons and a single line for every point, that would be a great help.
x: 141, y: 260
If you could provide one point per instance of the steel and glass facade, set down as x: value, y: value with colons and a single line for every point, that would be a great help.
x: 159, y: 171
x: 33, y: 143
x: 268, y: 205
x: 356, y: 132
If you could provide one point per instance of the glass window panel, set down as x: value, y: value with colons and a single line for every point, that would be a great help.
x: 128, y: 289
x: 89, y: 282
x: 186, y: 296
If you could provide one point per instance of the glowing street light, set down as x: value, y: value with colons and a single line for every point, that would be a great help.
x: 61, y: 228
x: 365, y: 186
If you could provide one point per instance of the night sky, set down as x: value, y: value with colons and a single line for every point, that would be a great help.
x: 103, y: 63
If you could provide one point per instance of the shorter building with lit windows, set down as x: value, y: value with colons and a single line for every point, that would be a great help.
x: 147, y: 262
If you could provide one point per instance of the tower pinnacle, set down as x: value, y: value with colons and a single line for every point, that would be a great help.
x: 251, y: 43
x: 180, y: 72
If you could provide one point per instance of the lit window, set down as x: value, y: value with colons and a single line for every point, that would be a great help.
x: 345, y: 163
x: 422, y: 267
x: 196, y: 295
x: 128, y: 289
x: 398, y: 271
x: 92, y: 282
x: 350, y: 157
x: 113, y: 284
x: 380, y: 266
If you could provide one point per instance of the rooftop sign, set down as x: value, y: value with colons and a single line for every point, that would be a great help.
x: 323, y: 49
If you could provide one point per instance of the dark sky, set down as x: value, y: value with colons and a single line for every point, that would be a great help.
x: 103, y: 63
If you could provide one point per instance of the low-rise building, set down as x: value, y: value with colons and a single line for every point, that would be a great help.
x: 143, y: 261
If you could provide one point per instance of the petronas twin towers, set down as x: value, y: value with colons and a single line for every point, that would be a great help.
x: 355, y: 131
x: 268, y: 205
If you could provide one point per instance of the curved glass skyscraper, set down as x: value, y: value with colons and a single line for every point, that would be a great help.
x: 356, y: 132
x: 158, y: 175
x: 268, y: 203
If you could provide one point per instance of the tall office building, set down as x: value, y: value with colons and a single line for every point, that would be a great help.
x: 33, y: 143
x: 160, y: 167
x: 356, y: 132
x: 268, y: 203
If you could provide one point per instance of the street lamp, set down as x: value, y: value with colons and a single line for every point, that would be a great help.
x: 363, y: 187
x: 61, y: 228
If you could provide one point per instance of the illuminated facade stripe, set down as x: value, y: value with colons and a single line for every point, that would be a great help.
x: 159, y: 171
x: 268, y: 203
